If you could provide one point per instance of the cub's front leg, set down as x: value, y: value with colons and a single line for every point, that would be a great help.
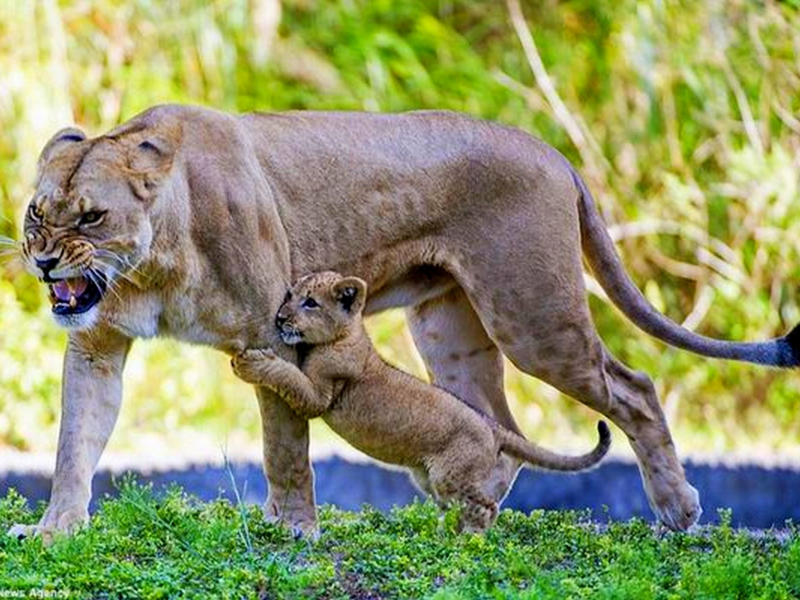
x: 264, y: 368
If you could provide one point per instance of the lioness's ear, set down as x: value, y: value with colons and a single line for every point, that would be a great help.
x: 150, y: 162
x: 350, y: 293
x: 58, y: 142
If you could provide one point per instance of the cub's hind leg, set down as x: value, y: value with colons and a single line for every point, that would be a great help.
x: 478, y: 509
x: 479, y: 512
x: 459, y: 475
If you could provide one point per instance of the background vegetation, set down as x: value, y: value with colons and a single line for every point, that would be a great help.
x: 684, y: 117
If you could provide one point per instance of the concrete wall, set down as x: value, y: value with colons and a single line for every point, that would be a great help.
x: 759, y: 497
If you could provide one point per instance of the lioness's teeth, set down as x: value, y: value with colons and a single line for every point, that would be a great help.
x: 73, y: 302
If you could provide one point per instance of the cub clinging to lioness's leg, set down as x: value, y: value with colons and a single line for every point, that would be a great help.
x: 449, y: 447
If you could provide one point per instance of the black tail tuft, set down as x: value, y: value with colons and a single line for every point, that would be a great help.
x: 605, y: 434
x: 789, y: 353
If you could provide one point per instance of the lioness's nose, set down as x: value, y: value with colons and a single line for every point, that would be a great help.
x: 46, y: 265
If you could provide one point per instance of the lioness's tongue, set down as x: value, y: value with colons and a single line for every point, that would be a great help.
x: 65, y: 289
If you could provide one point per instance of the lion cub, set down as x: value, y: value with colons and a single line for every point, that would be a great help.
x: 449, y: 447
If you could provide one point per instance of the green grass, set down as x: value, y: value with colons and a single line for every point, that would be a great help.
x: 143, y: 546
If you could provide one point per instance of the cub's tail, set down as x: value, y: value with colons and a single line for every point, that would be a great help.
x: 598, y: 248
x: 536, y: 456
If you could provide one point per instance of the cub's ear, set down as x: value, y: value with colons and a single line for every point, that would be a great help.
x: 351, y: 294
x: 150, y: 162
x: 65, y: 137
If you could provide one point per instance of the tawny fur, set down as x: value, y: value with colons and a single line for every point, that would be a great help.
x: 477, y: 229
x: 390, y: 415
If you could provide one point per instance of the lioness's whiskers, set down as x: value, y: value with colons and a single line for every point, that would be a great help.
x: 113, y: 289
x: 112, y: 259
x: 118, y: 272
x: 128, y: 266
x: 95, y: 277
x: 11, y: 256
x: 113, y: 286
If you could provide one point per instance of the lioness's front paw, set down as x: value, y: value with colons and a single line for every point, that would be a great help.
x: 300, y: 530
x: 65, y: 523
x: 249, y: 365
x: 299, y: 518
x: 20, y: 532
x: 680, y: 510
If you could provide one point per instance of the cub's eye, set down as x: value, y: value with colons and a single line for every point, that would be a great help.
x: 35, y: 212
x: 92, y: 217
x: 309, y: 303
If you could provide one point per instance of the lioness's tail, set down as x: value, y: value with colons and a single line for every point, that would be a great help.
x: 598, y: 247
x: 536, y: 456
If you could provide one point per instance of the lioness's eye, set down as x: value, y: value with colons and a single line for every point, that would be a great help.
x: 309, y: 303
x: 91, y: 217
x: 35, y: 213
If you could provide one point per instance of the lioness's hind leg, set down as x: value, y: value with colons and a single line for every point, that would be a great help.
x: 588, y: 373
x: 422, y: 481
x: 461, y: 358
x: 638, y: 412
x: 459, y: 355
x: 540, y: 320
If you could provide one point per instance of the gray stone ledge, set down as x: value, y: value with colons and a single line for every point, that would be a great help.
x: 760, y: 497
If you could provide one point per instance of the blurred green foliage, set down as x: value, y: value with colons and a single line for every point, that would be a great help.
x: 690, y: 114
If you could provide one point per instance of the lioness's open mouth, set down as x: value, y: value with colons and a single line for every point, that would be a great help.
x: 76, y: 295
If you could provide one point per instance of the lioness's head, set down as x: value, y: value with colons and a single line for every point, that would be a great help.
x: 88, y: 223
x: 320, y: 308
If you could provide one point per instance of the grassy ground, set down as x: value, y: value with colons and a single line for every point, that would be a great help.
x: 173, y: 547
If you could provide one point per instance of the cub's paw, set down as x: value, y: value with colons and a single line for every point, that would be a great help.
x: 256, y: 355
x: 250, y: 365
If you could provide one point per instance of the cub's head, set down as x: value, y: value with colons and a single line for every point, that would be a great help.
x: 321, y: 308
x: 88, y: 224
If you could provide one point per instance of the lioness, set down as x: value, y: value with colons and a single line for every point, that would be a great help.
x: 190, y: 223
x: 390, y: 415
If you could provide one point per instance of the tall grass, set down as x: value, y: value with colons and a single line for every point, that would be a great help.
x: 688, y: 121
